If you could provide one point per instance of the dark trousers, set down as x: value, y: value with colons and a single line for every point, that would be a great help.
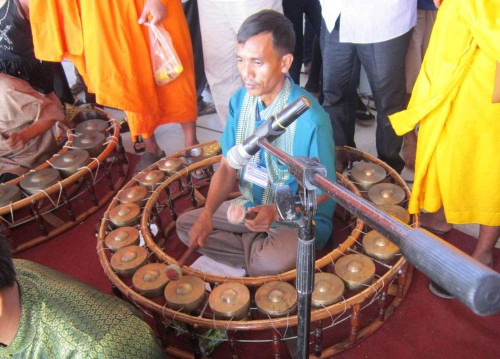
x: 193, y: 20
x: 384, y: 63
x: 295, y: 10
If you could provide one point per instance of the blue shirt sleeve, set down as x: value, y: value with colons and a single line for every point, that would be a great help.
x: 228, y: 138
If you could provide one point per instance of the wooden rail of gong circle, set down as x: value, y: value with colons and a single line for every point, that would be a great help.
x: 258, y: 324
x: 249, y: 281
x: 66, y: 181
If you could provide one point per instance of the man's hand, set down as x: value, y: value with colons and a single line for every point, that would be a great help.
x: 437, y: 3
x: 199, y: 232
x: 15, y: 141
x: 154, y: 12
x: 265, y: 216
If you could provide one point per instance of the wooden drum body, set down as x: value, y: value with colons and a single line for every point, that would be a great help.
x: 250, y: 307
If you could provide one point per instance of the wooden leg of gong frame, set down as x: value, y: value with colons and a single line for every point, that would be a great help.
x: 355, y: 322
x: 195, y: 344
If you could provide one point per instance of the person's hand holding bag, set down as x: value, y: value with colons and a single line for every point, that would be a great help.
x: 154, y: 12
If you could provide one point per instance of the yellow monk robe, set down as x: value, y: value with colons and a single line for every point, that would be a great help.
x: 111, y: 51
x: 458, y: 161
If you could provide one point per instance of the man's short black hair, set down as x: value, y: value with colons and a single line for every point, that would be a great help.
x: 272, y: 22
x: 7, y: 271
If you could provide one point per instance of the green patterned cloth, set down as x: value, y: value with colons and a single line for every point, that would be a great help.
x: 246, y: 126
x: 63, y: 318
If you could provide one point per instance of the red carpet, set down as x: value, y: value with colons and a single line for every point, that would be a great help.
x: 424, y: 326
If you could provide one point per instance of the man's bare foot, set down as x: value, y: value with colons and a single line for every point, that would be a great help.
x: 435, y: 223
x: 485, y: 258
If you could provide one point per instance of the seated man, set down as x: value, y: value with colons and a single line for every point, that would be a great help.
x: 260, y: 245
x: 45, y: 314
x: 26, y: 118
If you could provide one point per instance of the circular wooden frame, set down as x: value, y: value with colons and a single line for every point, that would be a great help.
x: 52, y: 209
x: 393, y: 283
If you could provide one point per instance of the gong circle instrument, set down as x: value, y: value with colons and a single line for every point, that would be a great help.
x: 150, y: 279
x: 93, y: 125
x: 185, y: 294
x: 9, y: 193
x: 126, y: 214
x: 122, y: 237
x: 386, y: 193
x: 230, y: 300
x: 127, y: 260
x: 276, y: 299
x: 379, y: 247
x: 356, y: 270
x: 151, y: 179
x: 67, y: 188
x: 71, y: 162
x: 262, y: 307
x: 134, y: 194
x: 37, y: 181
x: 93, y: 142
x: 366, y: 174
x: 328, y: 289
x: 170, y: 165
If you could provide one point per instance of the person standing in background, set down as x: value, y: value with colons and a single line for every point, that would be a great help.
x: 375, y: 34
x: 110, y: 48
x: 456, y: 102
x: 419, y: 41
x: 219, y: 22
x: 295, y: 11
x: 17, y: 57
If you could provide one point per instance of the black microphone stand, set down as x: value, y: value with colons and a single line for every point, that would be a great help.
x: 307, y: 204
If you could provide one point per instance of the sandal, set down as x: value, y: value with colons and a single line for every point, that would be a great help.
x: 139, y: 146
x: 438, y: 232
x: 206, y: 108
x: 199, y: 175
x: 147, y: 159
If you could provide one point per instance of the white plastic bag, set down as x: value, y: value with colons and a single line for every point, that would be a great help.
x: 164, y: 60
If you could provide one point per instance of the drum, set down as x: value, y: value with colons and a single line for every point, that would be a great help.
x: 66, y: 189
x: 260, y: 308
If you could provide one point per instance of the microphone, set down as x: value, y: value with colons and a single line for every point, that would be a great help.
x: 239, y: 156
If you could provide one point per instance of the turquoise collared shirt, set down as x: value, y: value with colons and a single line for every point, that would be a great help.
x: 313, y: 138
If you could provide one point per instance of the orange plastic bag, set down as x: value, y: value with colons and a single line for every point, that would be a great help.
x: 164, y: 60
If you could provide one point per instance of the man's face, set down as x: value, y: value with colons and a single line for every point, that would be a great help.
x: 261, y: 67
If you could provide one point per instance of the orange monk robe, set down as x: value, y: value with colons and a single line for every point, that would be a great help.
x: 111, y: 51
